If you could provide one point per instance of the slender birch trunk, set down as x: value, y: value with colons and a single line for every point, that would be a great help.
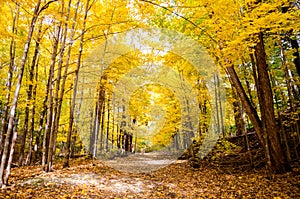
x: 29, y: 93
x: 37, y: 11
x: 12, y: 53
x: 47, y: 150
x: 72, y: 108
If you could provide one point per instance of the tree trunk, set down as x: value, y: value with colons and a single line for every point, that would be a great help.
x: 296, y: 55
x: 59, y: 91
x: 95, y: 131
x: 71, y: 38
x: 47, y: 149
x: 118, y: 137
x: 220, y: 106
x: 17, y: 90
x: 289, y: 84
x: 10, y: 157
x: 29, y: 155
x: 113, y: 129
x: 107, y: 124
x: 97, y: 120
x: 279, y: 164
x: 217, y: 105
x: 58, y: 95
x: 282, y: 130
x: 237, y: 113
x: 12, y: 53
x: 72, y: 108
x: 246, y: 76
x: 102, y: 116
x: 251, y: 112
x: 29, y: 94
x: 92, y: 129
x: 38, y: 143
x: 16, y: 95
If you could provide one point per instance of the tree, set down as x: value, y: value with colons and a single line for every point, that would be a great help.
x: 37, y: 10
x: 72, y: 108
x: 228, y: 36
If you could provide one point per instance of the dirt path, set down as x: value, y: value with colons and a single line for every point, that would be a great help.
x: 141, y: 163
x: 177, y: 180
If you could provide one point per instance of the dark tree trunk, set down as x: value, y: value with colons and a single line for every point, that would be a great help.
x: 38, y: 143
x: 102, y: 116
x: 220, y: 106
x: 113, y: 129
x: 296, y: 55
x: 279, y: 164
x: 96, y: 129
x: 107, y: 124
x: 92, y: 130
x: 217, y: 105
x: 237, y: 113
x: 251, y: 112
x: 118, y: 137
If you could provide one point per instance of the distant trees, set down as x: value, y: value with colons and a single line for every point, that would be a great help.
x: 34, y: 106
x: 248, y: 34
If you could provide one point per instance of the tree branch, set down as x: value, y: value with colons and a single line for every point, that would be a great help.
x: 183, y: 17
x: 46, y: 6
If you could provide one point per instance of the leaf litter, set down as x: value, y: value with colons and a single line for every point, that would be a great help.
x: 83, y: 179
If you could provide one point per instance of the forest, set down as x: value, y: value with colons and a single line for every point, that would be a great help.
x: 149, y: 99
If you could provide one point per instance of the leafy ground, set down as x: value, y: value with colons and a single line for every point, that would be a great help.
x: 177, y: 180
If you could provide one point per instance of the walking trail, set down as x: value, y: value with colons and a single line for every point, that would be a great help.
x: 147, y: 176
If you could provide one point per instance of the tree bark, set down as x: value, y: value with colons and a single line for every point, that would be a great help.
x: 36, y: 13
x: 33, y: 112
x: 10, y: 157
x: 220, y: 106
x: 12, y: 52
x: 289, y: 84
x: 71, y: 38
x: 59, y: 90
x: 251, y: 112
x: 102, y: 117
x: 38, y: 143
x: 29, y: 94
x: 237, y: 113
x: 279, y: 164
x: 72, y: 108
x: 48, y: 151
x: 95, y: 131
x: 107, y: 124
x: 296, y: 55
x: 113, y: 129
x: 217, y: 105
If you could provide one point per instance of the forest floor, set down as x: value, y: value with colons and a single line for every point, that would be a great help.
x: 87, y: 179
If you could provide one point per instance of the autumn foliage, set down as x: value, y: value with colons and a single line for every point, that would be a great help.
x: 254, y: 45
